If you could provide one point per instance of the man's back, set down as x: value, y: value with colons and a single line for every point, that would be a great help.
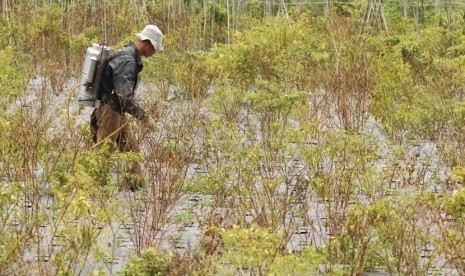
x: 120, y: 77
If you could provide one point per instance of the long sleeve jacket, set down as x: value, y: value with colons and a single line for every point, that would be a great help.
x: 120, y: 80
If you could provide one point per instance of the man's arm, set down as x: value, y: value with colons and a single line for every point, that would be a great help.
x: 124, y: 78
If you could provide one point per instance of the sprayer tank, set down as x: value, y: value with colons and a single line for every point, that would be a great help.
x: 89, y: 69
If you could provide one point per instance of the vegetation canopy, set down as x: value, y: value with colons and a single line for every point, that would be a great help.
x: 294, y: 137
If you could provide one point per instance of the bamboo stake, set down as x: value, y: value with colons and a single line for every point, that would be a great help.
x: 5, y: 10
x: 374, y: 10
x: 405, y: 8
x: 204, y: 22
x: 212, y: 28
x: 227, y: 12
x: 285, y: 12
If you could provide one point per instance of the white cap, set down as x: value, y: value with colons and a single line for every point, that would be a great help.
x: 154, y: 35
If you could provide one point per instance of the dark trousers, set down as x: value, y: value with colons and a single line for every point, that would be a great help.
x: 105, y: 121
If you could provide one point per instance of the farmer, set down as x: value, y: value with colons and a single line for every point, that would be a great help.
x: 119, y: 82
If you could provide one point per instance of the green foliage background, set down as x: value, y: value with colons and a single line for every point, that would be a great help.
x: 280, y: 104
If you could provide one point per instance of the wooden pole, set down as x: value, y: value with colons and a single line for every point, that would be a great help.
x: 227, y: 13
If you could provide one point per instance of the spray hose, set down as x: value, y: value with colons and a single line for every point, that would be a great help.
x: 68, y: 117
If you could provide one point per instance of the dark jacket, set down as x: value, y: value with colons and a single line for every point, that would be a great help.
x: 120, y: 80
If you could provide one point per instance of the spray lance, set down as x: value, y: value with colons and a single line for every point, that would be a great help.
x: 170, y: 135
x: 154, y: 126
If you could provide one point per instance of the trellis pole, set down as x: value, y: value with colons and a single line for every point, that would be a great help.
x: 374, y: 14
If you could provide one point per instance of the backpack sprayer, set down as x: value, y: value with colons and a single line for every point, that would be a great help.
x: 93, y: 60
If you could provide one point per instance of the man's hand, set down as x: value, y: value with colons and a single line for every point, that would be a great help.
x: 149, y: 122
